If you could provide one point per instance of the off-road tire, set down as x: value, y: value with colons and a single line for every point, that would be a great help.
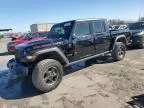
x: 119, y: 51
x: 10, y: 61
x: 41, y: 69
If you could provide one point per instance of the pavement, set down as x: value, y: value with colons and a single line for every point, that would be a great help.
x: 96, y: 83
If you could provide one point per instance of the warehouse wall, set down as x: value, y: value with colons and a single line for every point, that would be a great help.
x: 34, y: 28
x: 41, y: 27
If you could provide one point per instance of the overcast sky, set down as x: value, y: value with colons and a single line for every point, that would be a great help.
x: 20, y: 14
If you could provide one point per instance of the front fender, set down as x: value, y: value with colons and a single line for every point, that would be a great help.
x: 55, y: 52
x: 136, y: 40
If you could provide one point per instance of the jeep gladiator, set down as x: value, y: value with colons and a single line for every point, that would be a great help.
x: 68, y: 42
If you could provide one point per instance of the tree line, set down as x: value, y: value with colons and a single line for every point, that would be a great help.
x: 121, y: 22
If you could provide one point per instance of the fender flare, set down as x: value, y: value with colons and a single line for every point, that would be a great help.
x: 119, y: 37
x: 54, y: 50
x: 117, y: 40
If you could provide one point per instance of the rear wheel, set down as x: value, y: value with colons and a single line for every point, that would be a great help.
x: 119, y: 51
x: 47, y: 75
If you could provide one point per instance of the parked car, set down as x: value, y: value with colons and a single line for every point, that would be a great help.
x: 114, y: 27
x: 122, y: 27
x: 137, y: 34
x: 15, y: 37
x: 69, y: 42
x: 26, y: 38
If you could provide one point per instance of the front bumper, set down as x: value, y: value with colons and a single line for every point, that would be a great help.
x: 17, y: 68
x: 137, y: 40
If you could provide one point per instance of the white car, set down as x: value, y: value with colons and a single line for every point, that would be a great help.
x: 122, y: 27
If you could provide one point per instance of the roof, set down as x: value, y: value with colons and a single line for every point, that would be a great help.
x: 42, y: 24
x: 136, y: 22
x: 87, y: 19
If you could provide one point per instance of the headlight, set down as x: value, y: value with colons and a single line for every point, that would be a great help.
x: 141, y: 33
x: 32, y: 57
x: 28, y: 56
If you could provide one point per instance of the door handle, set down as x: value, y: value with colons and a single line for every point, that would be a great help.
x: 105, y: 37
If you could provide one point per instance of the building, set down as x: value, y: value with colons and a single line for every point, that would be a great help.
x: 41, y: 27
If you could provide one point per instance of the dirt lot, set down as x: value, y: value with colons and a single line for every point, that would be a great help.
x: 97, y: 83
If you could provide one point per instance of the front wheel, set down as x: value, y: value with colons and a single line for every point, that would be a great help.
x: 47, y: 75
x: 119, y: 51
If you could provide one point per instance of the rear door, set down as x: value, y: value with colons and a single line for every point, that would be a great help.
x: 101, y: 36
x: 83, y: 40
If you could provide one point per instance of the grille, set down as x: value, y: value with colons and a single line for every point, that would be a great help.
x: 18, y: 55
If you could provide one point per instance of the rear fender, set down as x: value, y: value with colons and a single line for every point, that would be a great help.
x: 120, y: 38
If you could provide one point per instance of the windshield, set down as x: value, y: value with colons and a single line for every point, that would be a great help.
x: 62, y: 30
x: 136, y: 26
x: 35, y: 35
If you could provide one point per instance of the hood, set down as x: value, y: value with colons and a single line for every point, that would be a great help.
x: 17, y: 40
x: 134, y: 32
x: 37, y: 44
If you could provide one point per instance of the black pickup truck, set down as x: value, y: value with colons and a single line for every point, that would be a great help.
x: 68, y: 42
x: 137, y: 34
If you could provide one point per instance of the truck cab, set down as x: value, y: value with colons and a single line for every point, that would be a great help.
x: 89, y: 37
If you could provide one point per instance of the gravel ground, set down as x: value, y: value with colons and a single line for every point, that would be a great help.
x: 96, y: 83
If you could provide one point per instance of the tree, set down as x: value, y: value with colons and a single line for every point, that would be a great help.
x: 1, y: 36
x: 116, y: 22
x: 141, y: 19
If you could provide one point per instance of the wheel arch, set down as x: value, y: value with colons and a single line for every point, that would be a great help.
x: 120, y: 38
x: 52, y: 53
